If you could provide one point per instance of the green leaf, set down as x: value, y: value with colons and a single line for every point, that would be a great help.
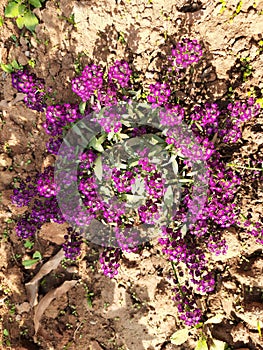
x: 35, y: 3
x: 30, y: 20
x: 7, y: 68
x: 98, y: 168
x: 133, y: 198
x: 15, y: 64
x: 37, y: 255
x: 82, y: 107
x: 94, y: 143
x: 138, y: 187
x: 13, y: 9
x: 102, y: 138
x: 30, y: 262
x: 201, y: 344
x: 168, y: 196
x: 180, y: 337
x: 28, y: 244
x: 215, y: 319
x: 110, y: 135
x: 260, y: 101
x: 1, y: 21
x: 217, y: 345
x: 6, y: 333
x: 124, y: 136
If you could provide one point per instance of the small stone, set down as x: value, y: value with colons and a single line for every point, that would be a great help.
x: 229, y: 285
x: 5, y: 161
x: 53, y: 232
x: 24, y: 307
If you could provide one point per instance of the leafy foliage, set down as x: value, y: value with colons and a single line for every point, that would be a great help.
x: 22, y: 11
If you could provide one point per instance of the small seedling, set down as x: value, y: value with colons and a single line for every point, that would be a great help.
x: 28, y: 244
x: 36, y: 258
x: 6, y: 337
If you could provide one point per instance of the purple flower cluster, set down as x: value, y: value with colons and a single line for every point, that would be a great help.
x: 86, y: 160
x: 184, y: 243
x: 120, y: 73
x: 72, y: 244
x: 148, y: 213
x: 193, y: 258
x: 27, y: 226
x: 53, y: 145
x: 45, y: 184
x: 23, y: 194
x: 188, y: 310
x: 255, y: 229
x: 90, y: 80
x: 159, y: 94
x: 127, y: 239
x: 110, y: 122
x: 172, y: 115
x: 237, y: 113
x: 92, y: 85
x: 207, y: 117
x: 123, y: 180
x: 185, y: 53
x: 58, y: 116
x: 46, y: 210
x: 109, y: 260
x: 38, y: 194
x: 32, y: 87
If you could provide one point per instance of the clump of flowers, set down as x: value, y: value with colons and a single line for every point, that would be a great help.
x: 32, y: 87
x: 137, y: 190
x: 90, y: 80
x: 185, y: 53
x: 120, y: 73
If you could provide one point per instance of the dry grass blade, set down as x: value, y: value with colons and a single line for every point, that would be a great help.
x: 32, y: 286
x: 47, y: 299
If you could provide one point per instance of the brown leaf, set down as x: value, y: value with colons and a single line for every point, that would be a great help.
x: 32, y: 286
x: 8, y: 104
x: 47, y: 299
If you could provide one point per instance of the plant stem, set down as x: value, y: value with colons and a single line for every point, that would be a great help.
x: 243, y: 167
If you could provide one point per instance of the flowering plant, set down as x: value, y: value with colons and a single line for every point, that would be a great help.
x: 136, y: 192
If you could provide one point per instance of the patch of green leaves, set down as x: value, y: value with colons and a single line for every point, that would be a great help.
x: 22, y: 12
x: 28, y: 244
x: 11, y: 67
x: 223, y: 7
x: 246, y: 67
x: 36, y: 258
x: 237, y: 10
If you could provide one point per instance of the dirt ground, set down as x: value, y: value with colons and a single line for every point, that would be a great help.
x: 133, y: 311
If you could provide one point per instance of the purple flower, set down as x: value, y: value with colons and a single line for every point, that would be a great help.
x: 120, y: 73
x: 185, y: 53
x: 32, y: 87
x: 90, y: 81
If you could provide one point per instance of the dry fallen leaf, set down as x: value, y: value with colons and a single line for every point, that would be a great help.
x: 32, y: 286
x: 47, y: 299
x: 7, y: 104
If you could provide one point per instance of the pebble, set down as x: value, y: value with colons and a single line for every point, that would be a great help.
x: 5, y: 161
